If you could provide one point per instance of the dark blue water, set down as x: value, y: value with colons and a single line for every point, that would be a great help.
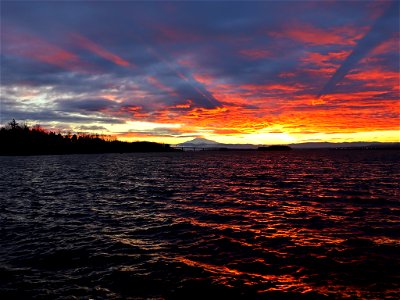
x: 217, y: 225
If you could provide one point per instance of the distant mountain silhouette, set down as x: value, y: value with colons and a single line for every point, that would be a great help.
x: 209, y: 144
x: 201, y: 141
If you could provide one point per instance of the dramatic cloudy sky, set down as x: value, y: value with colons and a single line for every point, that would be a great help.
x: 242, y: 72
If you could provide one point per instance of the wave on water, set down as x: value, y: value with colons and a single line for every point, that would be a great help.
x: 249, y: 225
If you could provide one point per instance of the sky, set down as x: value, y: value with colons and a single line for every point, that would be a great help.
x: 265, y: 72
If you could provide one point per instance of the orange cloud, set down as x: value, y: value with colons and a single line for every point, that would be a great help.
x: 342, y: 120
x: 340, y: 113
x: 93, y: 47
x: 271, y: 89
x: 378, y: 78
x: 250, y: 108
x: 186, y: 105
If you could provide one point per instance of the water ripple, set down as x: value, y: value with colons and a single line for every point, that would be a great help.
x: 293, y: 225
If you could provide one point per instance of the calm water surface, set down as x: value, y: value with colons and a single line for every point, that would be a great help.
x: 251, y: 225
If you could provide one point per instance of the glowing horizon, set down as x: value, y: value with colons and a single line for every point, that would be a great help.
x: 172, y: 71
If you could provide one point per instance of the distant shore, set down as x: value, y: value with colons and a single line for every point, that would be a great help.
x: 199, y: 144
x: 16, y: 139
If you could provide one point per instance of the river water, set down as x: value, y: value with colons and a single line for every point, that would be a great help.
x: 195, y: 225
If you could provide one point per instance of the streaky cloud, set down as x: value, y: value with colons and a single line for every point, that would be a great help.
x: 98, y: 50
x: 383, y: 29
x: 206, y: 99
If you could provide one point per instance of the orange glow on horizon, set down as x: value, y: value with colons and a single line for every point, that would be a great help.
x: 258, y: 84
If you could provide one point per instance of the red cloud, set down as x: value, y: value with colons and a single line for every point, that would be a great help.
x: 391, y: 45
x: 276, y: 88
x: 93, y: 47
x: 155, y: 82
x: 203, y: 78
x: 376, y: 77
x: 30, y: 46
x: 306, y: 33
x: 171, y: 34
x: 255, y: 53
x: 332, y: 59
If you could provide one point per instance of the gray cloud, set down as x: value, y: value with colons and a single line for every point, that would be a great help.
x: 91, y: 128
x: 88, y: 105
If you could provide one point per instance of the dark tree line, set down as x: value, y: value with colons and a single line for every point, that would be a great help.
x: 16, y: 139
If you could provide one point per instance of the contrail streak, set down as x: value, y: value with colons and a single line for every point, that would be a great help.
x: 383, y: 28
x: 210, y: 101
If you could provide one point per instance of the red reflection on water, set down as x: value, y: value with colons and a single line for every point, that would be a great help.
x: 224, y: 275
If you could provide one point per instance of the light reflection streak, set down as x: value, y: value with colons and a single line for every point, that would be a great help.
x: 281, y: 282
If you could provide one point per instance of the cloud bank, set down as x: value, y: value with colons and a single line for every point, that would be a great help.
x: 216, y: 69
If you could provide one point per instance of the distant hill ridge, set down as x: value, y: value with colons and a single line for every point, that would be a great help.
x: 205, y: 143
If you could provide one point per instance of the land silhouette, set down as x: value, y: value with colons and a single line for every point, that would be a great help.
x: 205, y: 144
x: 16, y: 139
x: 275, y: 148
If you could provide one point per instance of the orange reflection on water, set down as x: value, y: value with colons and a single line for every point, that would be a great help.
x: 223, y: 275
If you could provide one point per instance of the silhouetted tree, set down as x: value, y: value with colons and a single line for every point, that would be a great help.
x: 17, y: 140
x: 13, y: 124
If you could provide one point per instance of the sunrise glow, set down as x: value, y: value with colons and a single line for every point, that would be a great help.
x: 172, y: 71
